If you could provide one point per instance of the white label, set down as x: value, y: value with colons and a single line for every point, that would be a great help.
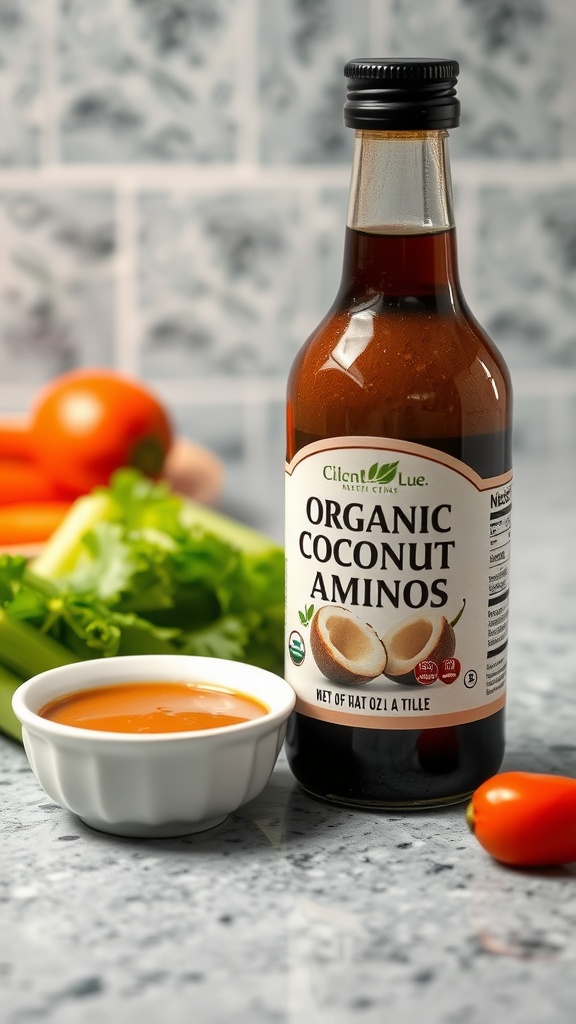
x: 397, y: 561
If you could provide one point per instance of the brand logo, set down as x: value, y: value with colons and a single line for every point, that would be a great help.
x: 380, y: 477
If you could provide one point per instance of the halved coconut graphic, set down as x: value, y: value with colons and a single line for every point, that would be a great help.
x: 346, y: 649
x: 424, y: 636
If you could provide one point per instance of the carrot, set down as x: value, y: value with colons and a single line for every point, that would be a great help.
x: 30, y: 522
x: 16, y: 438
x: 22, y: 480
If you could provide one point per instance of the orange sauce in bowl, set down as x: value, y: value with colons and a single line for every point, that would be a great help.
x: 153, y: 707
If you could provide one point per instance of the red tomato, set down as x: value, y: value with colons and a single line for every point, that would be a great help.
x: 88, y: 423
x: 526, y: 819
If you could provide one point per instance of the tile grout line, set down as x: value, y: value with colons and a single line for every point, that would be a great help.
x: 247, y: 107
x: 222, y: 390
x: 518, y: 173
x: 243, y: 174
x: 49, y: 140
x: 466, y: 216
x: 559, y: 421
x: 186, y: 177
x: 127, y: 339
x: 254, y: 421
x: 539, y: 382
x: 380, y: 22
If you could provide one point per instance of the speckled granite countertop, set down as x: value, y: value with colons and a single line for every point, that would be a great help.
x: 293, y: 911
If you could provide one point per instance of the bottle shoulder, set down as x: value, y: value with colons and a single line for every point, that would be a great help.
x: 408, y: 345
x: 400, y: 372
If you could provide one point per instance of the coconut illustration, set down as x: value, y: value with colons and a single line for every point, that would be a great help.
x: 424, y: 636
x: 345, y: 649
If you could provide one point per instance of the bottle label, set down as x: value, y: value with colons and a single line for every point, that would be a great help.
x: 397, y: 561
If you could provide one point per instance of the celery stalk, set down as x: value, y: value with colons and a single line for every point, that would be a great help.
x: 237, y: 534
x: 9, y: 724
x: 28, y: 652
x: 60, y: 553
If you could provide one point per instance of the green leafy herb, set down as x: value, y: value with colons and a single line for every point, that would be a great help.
x: 136, y: 568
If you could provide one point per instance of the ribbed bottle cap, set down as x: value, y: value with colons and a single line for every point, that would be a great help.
x: 407, y: 94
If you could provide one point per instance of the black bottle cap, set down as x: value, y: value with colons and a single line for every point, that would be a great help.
x: 406, y: 94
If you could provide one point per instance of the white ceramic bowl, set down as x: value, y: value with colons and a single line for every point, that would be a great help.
x: 153, y: 785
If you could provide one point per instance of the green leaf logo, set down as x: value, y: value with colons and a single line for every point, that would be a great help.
x: 306, y: 615
x: 383, y: 474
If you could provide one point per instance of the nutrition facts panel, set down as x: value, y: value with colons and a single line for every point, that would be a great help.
x: 498, y: 588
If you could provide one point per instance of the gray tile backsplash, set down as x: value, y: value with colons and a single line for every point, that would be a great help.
x: 304, y: 45
x: 57, y: 281
x: 147, y: 81
x: 22, y: 27
x: 218, y: 282
x: 518, y: 71
x: 527, y: 238
x: 173, y: 191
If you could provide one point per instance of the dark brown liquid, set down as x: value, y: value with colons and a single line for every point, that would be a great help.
x: 429, y: 375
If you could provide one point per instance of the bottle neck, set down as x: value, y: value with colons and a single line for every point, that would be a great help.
x: 400, y: 239
x: 401, y: 183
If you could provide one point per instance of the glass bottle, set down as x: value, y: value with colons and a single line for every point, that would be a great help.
x: 398, y: 481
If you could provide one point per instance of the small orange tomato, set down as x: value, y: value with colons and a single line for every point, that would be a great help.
x: 526, y: 819
x: 87, y: 423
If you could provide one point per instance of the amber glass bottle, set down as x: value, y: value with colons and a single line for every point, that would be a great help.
x: 398, y: 481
